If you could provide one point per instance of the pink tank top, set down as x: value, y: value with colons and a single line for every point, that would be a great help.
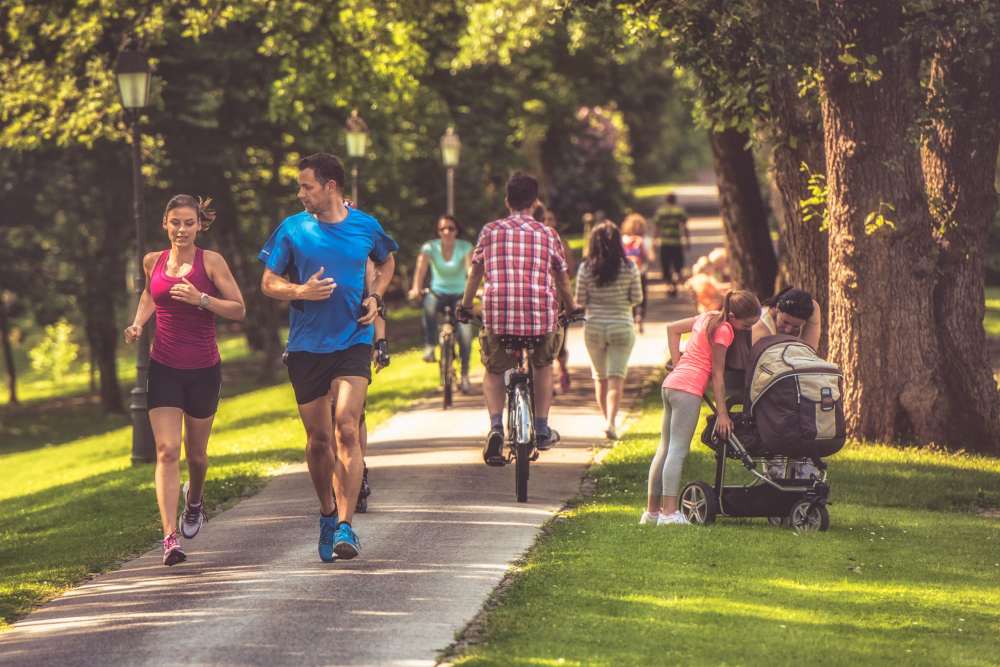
x: 694, y: 370
x: 185, y: 334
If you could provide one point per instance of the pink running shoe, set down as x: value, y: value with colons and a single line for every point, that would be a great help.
x: 172, y: 551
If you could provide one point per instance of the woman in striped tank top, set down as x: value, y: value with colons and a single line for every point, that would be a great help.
x: 608, y: 286
x: 186, y: 287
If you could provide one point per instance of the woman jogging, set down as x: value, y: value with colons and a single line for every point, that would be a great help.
x: 186, y: 287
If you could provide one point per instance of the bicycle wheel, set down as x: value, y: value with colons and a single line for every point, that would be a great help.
x: 448, y: 369
x: 524, y: 435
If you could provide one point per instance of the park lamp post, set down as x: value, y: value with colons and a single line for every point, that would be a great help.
x: 451, y: 148
x: 133, y: 73
x: 357, y: 144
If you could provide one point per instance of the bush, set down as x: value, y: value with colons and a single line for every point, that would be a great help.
x: 57, y: 351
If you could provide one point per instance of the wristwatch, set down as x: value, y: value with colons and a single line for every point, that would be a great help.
x: 203, y: 301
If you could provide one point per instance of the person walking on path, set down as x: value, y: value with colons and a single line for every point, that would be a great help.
x: 525, y: 270
x: 186, y: 287
x: 449, y: 259
x: 670, y: 227
x: 639, y: 250
x: 711, y: 335
x: 329, y: 347
x: 608, y: 286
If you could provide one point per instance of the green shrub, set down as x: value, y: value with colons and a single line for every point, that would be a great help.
x: 57, y: 351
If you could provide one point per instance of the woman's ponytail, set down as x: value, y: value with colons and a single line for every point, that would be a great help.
x: 741, y: 304
x: 723, y: 316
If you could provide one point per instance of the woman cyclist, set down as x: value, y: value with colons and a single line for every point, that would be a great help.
x: 449, y: 258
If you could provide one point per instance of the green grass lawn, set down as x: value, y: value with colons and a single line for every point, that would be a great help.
x: 908, y: 573
x: 72, y: 504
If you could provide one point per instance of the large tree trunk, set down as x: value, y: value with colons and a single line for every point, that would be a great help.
x: 748, y: 239
x: 960, y: 161
x: 8, y: 354
x: 882, y: 277
x: 798, y: 140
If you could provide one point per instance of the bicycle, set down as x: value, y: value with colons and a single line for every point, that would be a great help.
x: 446, y: 343
x: 521, y: 439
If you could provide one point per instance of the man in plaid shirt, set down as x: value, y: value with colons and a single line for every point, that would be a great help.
x: 525, y: 269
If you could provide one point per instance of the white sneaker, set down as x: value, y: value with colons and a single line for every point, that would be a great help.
x: 648, y: 518
x: 672, y: 519
x: 192, y: 518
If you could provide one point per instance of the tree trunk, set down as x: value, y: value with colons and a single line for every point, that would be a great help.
x: 748, y: 239
x: 798, y: 136
x: 102, y: 331
x: 882, y: 277
x: 960, y: 160
x: 8, y: 354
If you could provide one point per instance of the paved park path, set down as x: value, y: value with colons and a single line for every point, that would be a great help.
x: 441, y: 532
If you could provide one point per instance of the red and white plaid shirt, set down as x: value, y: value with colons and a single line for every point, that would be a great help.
x: 519, y: 255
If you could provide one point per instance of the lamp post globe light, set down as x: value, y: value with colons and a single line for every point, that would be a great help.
x: 133, y: 74
x: 451, y: 148
x: 357, y: 144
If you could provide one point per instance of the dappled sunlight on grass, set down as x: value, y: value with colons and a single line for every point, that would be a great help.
x: 72, y: 505
x: 907, y: 572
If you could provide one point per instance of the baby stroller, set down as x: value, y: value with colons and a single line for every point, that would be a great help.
x: 787, y: 418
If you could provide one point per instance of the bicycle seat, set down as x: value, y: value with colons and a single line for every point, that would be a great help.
x: 510, y: 342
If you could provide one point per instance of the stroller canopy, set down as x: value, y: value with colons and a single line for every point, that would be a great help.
x: 794, y: 397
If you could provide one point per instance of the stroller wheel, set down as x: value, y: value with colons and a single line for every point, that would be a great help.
x: 699, y: 504
x: 807, y: 517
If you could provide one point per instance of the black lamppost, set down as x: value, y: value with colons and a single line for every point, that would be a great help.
x: 132, y: 70
x: 451, y: 148
x: 357, y: 144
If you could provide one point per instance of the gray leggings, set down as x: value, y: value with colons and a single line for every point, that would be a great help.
x: 680, y: 417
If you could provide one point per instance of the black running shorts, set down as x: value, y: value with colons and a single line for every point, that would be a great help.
x: 193, y: 390
x: 311, y: 373
x: 671, y: 260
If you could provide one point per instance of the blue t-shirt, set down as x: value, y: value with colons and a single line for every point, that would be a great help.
x: 342, y: 248
x: 447, y: 275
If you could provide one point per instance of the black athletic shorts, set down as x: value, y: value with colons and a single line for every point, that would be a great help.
x: 671, y: 260
x: 311, y: 373
x: 193, y: 390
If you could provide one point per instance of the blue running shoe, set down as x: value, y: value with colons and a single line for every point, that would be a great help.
x: 327, y: 533
x: 346, y: 545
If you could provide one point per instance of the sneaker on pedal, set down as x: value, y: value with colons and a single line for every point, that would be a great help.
x: 547, y: 441
x: 192, y: 518
x: 346, y: 543
x: 327, y: 535
x: 429, y: 354
x: 493, y: 449
x: 172, y: 551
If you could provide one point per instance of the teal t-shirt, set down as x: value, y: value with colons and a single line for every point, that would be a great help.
x: 447, y: 276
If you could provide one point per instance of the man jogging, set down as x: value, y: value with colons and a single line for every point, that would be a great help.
x: 330, y: 338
